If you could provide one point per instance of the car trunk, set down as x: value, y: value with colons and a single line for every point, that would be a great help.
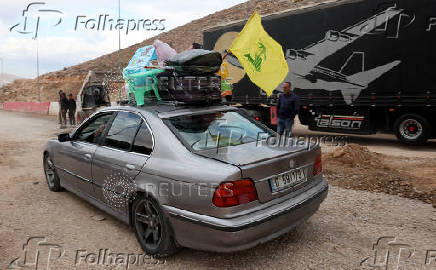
x: 260, y: 163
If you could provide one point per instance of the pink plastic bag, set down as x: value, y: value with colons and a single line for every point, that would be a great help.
x: 163, y: 51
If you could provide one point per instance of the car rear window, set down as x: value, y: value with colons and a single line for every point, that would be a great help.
x: 217, y: 129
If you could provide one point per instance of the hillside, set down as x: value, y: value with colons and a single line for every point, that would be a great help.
x: 71, y: 79
x: 6, y: 78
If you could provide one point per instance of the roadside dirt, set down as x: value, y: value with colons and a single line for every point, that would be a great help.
x: 355, y: 167
x: 380, y: 143
x: 339, y: 236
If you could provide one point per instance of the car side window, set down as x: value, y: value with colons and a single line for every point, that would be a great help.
x: 93, y: 130
x: 123, y: 130
x: 143, y: 141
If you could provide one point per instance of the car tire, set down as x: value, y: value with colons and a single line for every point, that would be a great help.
x: 412, y: 129
x: 51, y: 175
x: 152, y: 228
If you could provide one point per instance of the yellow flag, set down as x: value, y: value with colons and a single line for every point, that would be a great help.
x: 260, y: 55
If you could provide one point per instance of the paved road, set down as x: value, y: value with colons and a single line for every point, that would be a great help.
x: 339, y: 236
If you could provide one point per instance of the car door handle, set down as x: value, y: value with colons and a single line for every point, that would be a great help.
x: 88, y: 156
x: 130, y: 167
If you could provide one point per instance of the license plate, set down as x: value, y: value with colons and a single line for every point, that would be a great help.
x: 287, y: 179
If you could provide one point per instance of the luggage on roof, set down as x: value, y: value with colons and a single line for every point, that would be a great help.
x: 194, y: 90
x: 196, y: 62
x: 189, y: 77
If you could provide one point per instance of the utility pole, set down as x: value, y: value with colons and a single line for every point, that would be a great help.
x: 3, y: 90
x: 37, y: 69
x: 119, y: 49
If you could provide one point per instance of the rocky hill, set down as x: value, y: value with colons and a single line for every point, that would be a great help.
x: 6, y: 78
x: 71, y: 79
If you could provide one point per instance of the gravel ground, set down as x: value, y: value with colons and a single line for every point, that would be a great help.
x: 340, y: 236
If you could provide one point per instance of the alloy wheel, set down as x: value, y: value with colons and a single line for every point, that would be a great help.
x: 50, y: 172
x: 148, y: 223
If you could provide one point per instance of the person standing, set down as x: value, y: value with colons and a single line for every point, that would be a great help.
x: 288, y: 106
x: 60, y: 111
x: 64, y: 109
x: 72, y: 109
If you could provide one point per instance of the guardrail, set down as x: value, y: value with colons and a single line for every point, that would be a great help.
x: 34, y: 107
x: 47, y: 107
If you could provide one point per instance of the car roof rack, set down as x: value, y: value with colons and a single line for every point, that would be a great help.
x: 153, y: 101
x: 149, y: 101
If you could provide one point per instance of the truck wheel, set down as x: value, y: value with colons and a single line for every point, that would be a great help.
x: 412, y: 129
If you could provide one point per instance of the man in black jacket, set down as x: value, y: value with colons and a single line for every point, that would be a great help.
x: 287, y: 108
x: 71, y: 109
x: 63, y: 109
x: 60, y: 111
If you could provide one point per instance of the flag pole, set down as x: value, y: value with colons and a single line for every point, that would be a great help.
x: 227, y: 53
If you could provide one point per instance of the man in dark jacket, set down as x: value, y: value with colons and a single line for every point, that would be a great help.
x: 287, y: 108
x: 60, y: 111
x: 71, y: 109
x: 64, y: 108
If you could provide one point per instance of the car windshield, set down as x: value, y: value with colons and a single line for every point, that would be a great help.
x: 217, y: 129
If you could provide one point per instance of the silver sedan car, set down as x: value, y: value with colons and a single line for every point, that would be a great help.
x: 208, y: 178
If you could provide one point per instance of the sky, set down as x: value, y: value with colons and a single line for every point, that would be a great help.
x: 67, y: 30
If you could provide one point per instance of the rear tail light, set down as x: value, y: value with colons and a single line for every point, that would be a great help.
x: 257, y: 118
x: 229, y: 194
x: 317, y: 166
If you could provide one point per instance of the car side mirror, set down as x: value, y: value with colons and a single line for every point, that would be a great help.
x: 64, y: 137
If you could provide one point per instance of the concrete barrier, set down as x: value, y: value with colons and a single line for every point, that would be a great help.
x: 34, y: 107
x: 54, y: 108
x: 50, y: 108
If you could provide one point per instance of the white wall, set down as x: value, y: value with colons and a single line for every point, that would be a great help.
x: 54, y: 108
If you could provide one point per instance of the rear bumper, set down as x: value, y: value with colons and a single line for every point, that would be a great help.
x: 229, y: 235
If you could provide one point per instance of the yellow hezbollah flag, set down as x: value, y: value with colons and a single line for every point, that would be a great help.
x: 260, y: 55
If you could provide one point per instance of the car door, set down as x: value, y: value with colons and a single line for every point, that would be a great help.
x: 120, y: 158
x: 75, y: 156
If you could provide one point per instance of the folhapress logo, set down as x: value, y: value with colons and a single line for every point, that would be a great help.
x: 37, y: 12
x: 37, y: 254
x: 390, y: 254
x: 106, y: 23
x: 31, y: 18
